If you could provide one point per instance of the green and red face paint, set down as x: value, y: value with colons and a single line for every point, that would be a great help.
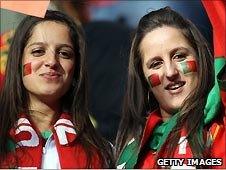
x: 185, y: 67
x: 27, y: 69
x: 188, y: 66
x: 154, y: 80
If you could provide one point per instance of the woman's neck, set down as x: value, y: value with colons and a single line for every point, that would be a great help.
x: 42, y: 113
x: 165, y: 115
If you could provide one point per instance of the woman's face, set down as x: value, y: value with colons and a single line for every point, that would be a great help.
x: 170, y: 66
x: 48, y: 61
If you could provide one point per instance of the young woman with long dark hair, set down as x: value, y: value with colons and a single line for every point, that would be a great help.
x: 167, y: 110
x: 44, y: 120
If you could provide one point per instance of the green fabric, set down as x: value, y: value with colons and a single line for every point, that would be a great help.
x: 129, y: 155
x: 46, y: 134
x: 213, y: 101
x: 169, y: 125
x: 158, y: 134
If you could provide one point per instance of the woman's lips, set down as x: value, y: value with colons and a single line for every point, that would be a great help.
x: 175, y: 87
x: 51, y: 75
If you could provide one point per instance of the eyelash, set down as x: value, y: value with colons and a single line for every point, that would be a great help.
x: 155, y: 64
x: 180, y: 57
x: 63, y: 54
x: 37, y: 52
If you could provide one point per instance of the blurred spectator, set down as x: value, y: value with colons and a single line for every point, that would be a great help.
x: 5, y: 40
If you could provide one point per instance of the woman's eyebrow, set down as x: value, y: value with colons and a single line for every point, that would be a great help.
x: 152, y: 59
x: 36, y: 43
x: 184, y: 49
x: 65, y: 45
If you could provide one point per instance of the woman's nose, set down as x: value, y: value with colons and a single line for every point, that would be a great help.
x: 171, y: 71
x: 51, y: 60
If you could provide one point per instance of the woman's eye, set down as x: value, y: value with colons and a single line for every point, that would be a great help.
x: 37, y: 52
x: 155, y: 64
x: 65, y: 54
x: 179, y: 57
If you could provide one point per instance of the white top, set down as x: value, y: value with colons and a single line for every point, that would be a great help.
x: 50, y: 158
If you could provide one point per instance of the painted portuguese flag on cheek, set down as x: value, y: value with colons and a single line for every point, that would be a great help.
x: 27, y: 69
x: 154, y: 80
x: 188, y: 66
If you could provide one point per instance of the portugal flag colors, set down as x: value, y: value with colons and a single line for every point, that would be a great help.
x: 216, y: 10
x: 188, y: 66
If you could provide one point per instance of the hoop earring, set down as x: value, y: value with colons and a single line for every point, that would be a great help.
x: 148, y: 96
x: 74, y: 83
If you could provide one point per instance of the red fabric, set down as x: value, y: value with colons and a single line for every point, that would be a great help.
x: 152, y: 120
x: 216, y: 10
x: 218, y: 128
x: 149, y: 158
x: 29, y: 153
x: 217, y: 149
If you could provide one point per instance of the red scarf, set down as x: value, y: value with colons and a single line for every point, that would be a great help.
x: 29, y: 145
x: 148, y: 160
x: 217, y: 130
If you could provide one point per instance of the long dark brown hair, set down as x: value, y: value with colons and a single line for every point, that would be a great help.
x: 136, y: 102
x: 14, y: 97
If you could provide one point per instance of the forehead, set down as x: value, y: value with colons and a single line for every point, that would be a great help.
x: 163, y: 39
x: 50, y: 31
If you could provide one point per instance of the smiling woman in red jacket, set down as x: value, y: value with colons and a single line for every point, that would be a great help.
x: 167, y: 110
x: 44, y: 120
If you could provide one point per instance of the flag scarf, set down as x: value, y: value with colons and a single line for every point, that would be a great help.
x: 216, y: 11
x: 27, y: 145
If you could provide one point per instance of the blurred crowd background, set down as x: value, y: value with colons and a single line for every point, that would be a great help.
x: 109, y: 27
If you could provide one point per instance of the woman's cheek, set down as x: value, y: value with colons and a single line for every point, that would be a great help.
x: 27, y: 69
x: 188, y: 66
x: 154, y: 80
